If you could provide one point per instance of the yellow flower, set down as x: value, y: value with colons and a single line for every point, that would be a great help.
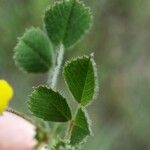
x: 6, y: 93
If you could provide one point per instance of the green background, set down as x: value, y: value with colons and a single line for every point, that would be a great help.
x: 120, y: 38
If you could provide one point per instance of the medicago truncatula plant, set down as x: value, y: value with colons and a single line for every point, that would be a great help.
x: 65, y: 23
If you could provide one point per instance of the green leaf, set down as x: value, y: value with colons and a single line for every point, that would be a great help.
x: 67, y: 21
x: 80, y: 76
x: 81, y: 128
x: 33, y: 52
x: 49, y: 105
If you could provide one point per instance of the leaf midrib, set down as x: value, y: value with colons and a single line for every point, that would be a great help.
x: 85, y: 81
x: 37, y: 54
x: 75, y: 124
x: 69, y: 20
x: 56, y: 108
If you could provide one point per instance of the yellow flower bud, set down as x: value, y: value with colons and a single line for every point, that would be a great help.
x: 6, y: 93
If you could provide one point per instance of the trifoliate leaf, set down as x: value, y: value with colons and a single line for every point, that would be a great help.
x: 67, y: 21
x: 80, y: 76
x: 49, y: 105
x: 33, y: 52
x: 81, y: 128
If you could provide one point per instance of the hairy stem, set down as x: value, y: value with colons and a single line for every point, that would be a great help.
x: 54, y: 73
x: 72, y: 123
x: 69, y: 130
x: 53, y: 76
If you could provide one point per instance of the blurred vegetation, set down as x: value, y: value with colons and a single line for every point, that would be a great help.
x: 120, y: 39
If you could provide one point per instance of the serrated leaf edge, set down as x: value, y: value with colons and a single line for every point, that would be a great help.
x: 15, y: 51
x: 89, y: 122
x: 44, y: 86
x: 96, y: 89
x: 83, y: 5
x: 91, y: 57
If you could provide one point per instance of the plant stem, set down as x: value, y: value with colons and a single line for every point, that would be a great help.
x: 23, y: 116
x: 72, y: 123
x: 53, y: 76
x: 68, y: 133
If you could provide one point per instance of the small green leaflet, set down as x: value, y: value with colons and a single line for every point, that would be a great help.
x: 80, y: 76
x: 81, y: 128
x: 67, y: 21
x: 33, y: 52
x: 49, y: 105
